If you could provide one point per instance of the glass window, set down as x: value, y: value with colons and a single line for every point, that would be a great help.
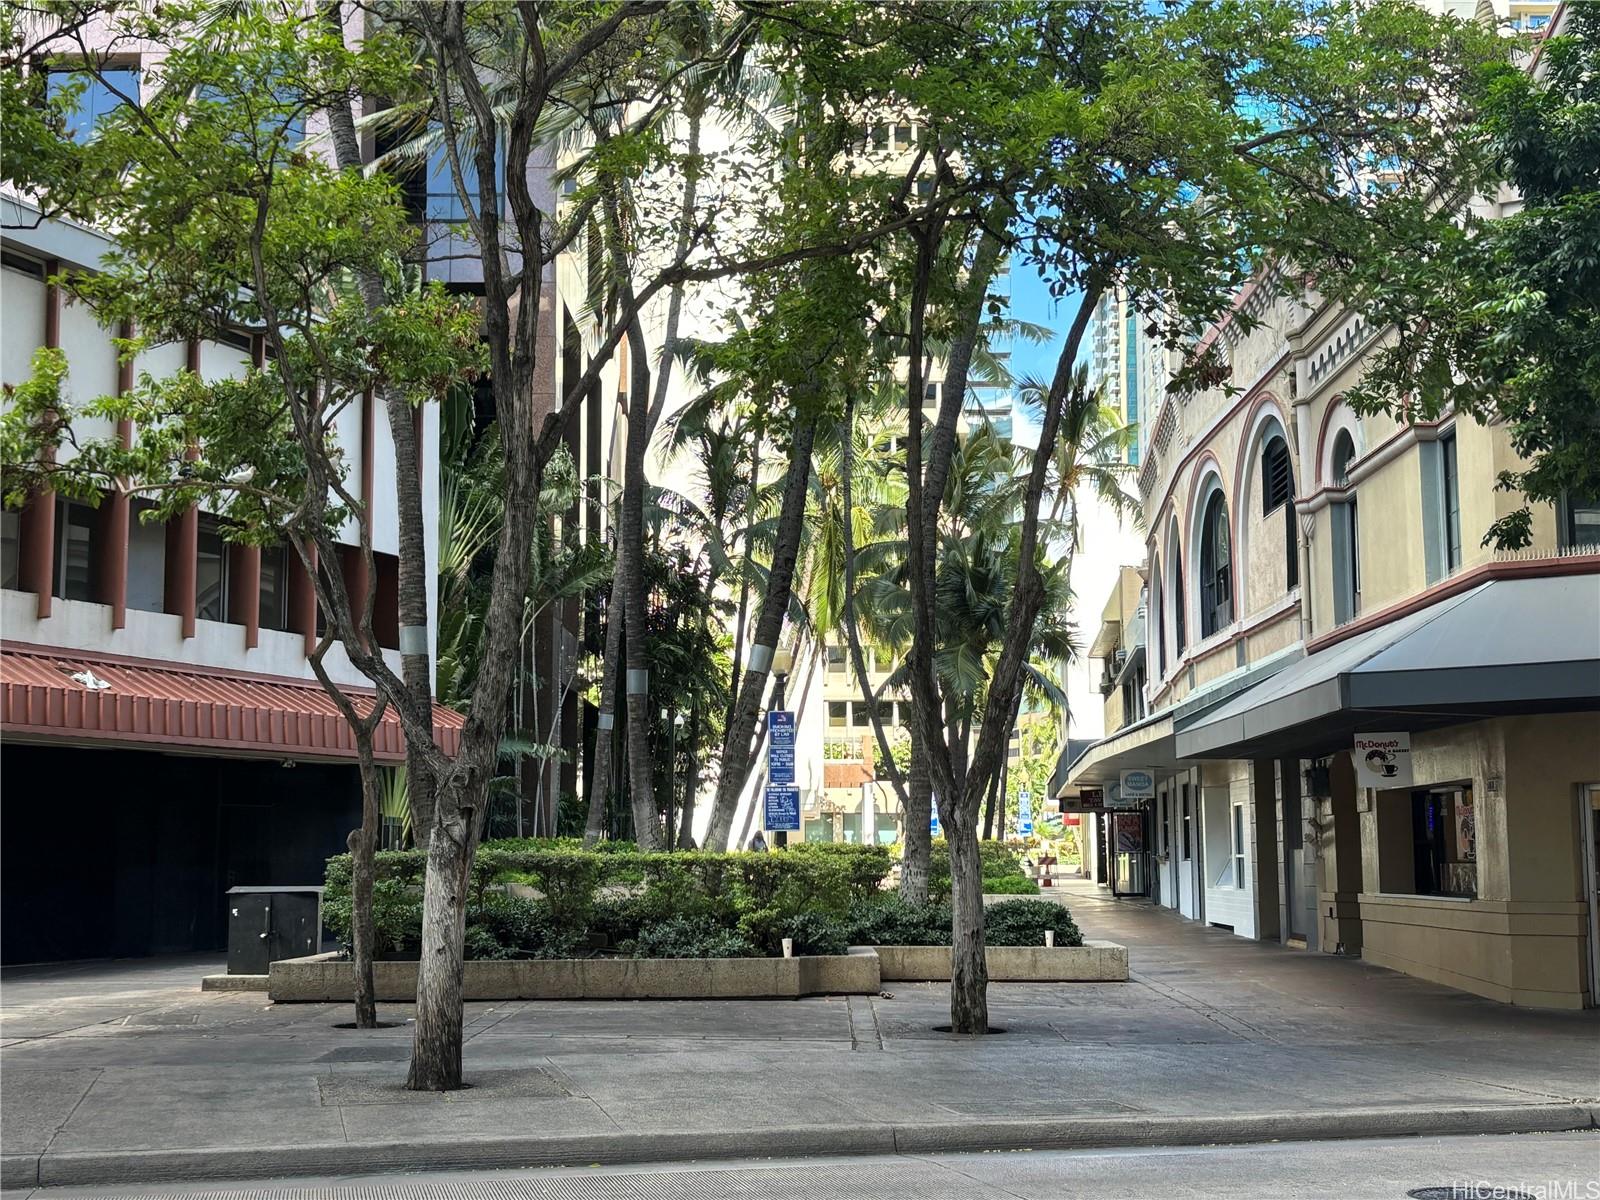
x: 211, y: 573
x: 902, y: 136
x: 273, y: 612
x: 1238, y: 845
x: 930, y: 392
x: 98, y: 97
x: 74, y: 557
x: 1188, y: 825
x: 147, y: 560
x: 837, y: 716
x: 880, y: 137
x: 443, y: 200
x: 1444, y: 842
x: 1582, y: 524
x: 859, y: 716
x: 1216, y: 568
x: 1451, y: 502
x: 10, y: 548
x: 1344, y: 451
x: 836, y: 659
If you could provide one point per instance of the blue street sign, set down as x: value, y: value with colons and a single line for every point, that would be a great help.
x: 1024, y: 813
x: 782, y: 810
x: 933, y: 823
x: 780, y: 748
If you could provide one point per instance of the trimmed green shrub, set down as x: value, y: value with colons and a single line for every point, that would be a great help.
x: 396, y: 916
x: 1010, y: 885
x: 812, y: 932
x: 617, y: 919
x: 888, y: 920
x: 997, y: 861
x: 1023, y: 922
x: 689, y: 937
x: 518, y: 928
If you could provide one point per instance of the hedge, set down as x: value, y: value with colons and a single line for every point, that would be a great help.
x: 686, y: 904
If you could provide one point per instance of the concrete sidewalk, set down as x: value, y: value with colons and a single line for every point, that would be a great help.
x: 120, y: 1072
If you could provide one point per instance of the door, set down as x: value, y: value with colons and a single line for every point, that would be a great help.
x: 1589, y: 814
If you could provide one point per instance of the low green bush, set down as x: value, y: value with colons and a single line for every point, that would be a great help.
x: 1010, y: 885
x: 996, y: 860
x: 890, y: 921
x: 811, y: 932
x: 1023, y: 922
x: 518, y: 928
x: 689, y: 937
x: 396, y: 916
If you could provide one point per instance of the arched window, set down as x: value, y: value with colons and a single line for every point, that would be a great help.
x: 1175, y: 603
x: 1157, y: 617
x: 1277, y: 488
x: 1346, y: 531
x: 1216, y: 568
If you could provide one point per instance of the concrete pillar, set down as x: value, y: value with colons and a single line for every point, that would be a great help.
x: 244, y: 591
x: 1340, y: 860
x: 183, y: 546
x: 118, y: 512
x: 303, y: 599
x: 37, y: 523
x: 1264, y: 831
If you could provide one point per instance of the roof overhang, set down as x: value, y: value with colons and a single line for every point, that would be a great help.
x: 171, y: 707
x: 1506, y: 647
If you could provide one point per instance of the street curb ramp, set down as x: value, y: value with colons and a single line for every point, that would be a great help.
x: 87, y: 1168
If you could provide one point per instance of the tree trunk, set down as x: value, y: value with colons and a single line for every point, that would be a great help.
x: 641, y: 768
x: 988, y: 811
x: 969, y: 970
x: 744, y: 580
x: 363, y: 844
x: 436, y: 1045
x: 605, y: 735
x: 858, y: 660
x: 736, y: 759
x: 415, y: 667
x: 919, y: 819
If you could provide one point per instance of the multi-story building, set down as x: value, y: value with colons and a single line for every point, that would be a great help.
x: 1369, y: 733
x: 154, y: 677
x: 1127, y: 365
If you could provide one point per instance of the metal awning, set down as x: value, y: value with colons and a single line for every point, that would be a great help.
x: 1146, y: 744
x: 1506, y: 647
x: 66, y: 696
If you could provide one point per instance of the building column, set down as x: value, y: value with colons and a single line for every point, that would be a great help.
x: 183, y: 545
x: 303, y: 600
x: 37, y: 523
x: 244, y: 591
x: 116, y: 513
x: 1264, y: 833
x: 1339, y: 858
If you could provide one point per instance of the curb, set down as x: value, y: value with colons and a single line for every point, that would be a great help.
x: 84, y: 1168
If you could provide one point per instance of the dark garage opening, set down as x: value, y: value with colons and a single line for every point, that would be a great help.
x: 123, y: 853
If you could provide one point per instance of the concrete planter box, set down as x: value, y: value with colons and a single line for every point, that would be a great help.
x: 327, y: 978
x: 1092, y: 962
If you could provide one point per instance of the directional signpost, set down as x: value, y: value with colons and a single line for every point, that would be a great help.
x: 780, y: 747
x: 782, y: 810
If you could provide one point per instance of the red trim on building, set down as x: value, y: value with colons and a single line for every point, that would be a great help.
x: 162, y: 704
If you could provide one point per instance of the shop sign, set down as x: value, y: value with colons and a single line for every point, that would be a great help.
x: 1383, y: 760
x: 1138, y: 785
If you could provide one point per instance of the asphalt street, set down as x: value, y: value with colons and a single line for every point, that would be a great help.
x: 1542, y: 1166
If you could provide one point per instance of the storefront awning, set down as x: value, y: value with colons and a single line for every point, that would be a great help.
x: 1147, y: 745
x: 1506, y: 647
x: 64, y: 696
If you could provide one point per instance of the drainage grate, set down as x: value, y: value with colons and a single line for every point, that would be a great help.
x: 1469, y: 1191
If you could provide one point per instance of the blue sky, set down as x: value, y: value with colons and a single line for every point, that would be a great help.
x: 1031, y: 301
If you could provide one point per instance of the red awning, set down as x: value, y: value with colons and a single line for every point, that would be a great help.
x: 165, y: 704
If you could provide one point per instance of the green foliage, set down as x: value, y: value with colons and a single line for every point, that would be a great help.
x: 1023, y: 923
x: 1500, y: 318
x: 887, y: 920
x: 690, y: 937
x: 1010, y: 885
x: 512, y: 927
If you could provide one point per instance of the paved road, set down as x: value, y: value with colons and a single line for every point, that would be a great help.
x: 1540, y: 1165
x: 103, y: 1061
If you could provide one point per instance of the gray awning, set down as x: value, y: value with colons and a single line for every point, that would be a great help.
x: 1505, y: 647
